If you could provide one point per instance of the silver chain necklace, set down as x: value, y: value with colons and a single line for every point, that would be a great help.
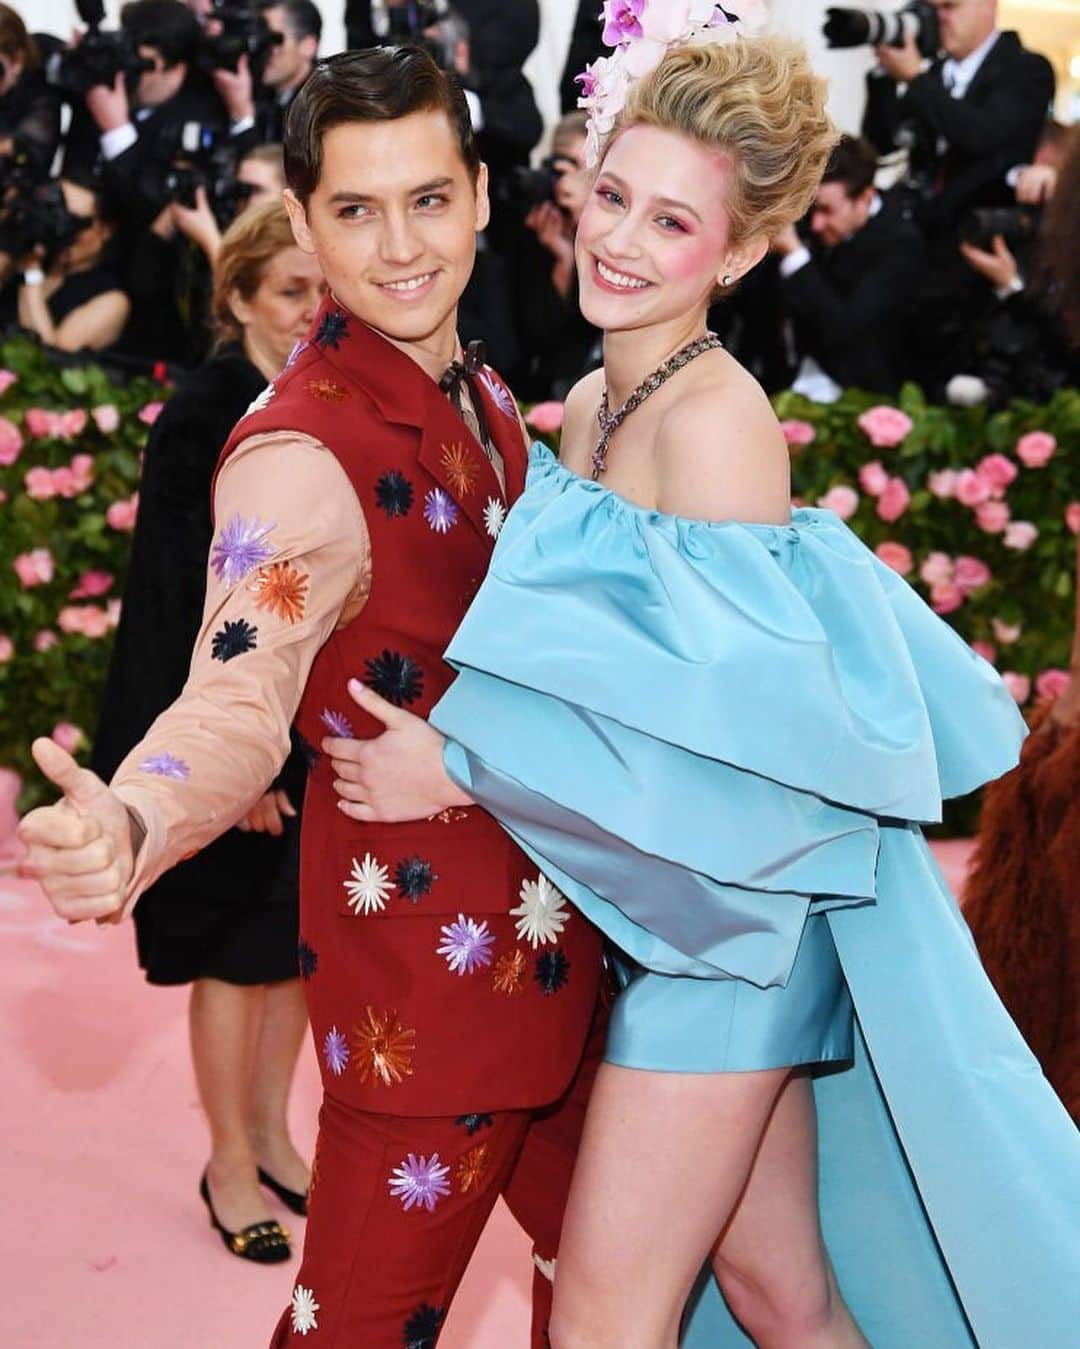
x: 611, y: 421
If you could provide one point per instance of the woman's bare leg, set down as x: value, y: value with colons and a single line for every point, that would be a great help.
x: 281, y: 1033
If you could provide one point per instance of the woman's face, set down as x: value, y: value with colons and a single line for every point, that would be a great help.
x: 263, y: 179
x: 283, y: 307
x: 654, y: 236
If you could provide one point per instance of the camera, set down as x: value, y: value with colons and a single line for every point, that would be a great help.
x: 97, y: 59
x: 200, y: 156
x: 430, y: 24
x: 242, y: 31
x: 871, y: 27
x: 524, y: 188
x: 1017, y: 225
x: 36, y: 216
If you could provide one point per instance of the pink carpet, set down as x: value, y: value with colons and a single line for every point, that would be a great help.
x: 104, y: 1243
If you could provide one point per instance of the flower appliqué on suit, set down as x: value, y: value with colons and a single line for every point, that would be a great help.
x: 394, y: 493
x: 233, y: 639
x: 494, y: 516
x: 474, y: 1123
x: 332, y: 328
x: 552, y: 971
x: 240, y: 547
x: 466, y: 945
x: 500, y: 394
x: 383, y: 1048
x: 335, y: 1051
x: 263, y: 400
x: 414, y: 878
x: 327, y: 390
x: 420, y: 1182
x: 422, y: 1328
x: 542, y: 913
x: 282, y: 589
x: 336, y: 723
x: 395, y: 677
x: 451, y: 815
x: 440, y: 511
x: 369, y: 886
x: 459, y: 468
x: 304, y: 1308
x: 508, y: 976
x: 472, y: 1168
x: 166, y: 766
x: 307, y: 960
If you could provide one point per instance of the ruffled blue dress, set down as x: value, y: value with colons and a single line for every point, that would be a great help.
x: 720, y: 741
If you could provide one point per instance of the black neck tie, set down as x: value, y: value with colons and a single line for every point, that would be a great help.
x: 459, y: 373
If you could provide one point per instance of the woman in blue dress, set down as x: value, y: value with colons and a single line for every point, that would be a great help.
x: 717, y: 725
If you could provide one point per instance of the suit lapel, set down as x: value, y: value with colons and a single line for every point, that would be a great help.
x: 451, y: 454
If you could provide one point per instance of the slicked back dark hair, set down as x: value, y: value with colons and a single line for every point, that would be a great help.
x: 377, y: 84
x: 167, y: 25
x: 853, y: 162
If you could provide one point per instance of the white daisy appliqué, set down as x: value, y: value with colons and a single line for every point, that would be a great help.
x: 262, y: 401
x: 304, y: 1308
x: 369, y: 886
x: 494, y: 516
x: 542, y: 913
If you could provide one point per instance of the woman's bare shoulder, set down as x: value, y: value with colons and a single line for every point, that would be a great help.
x: 579, y: 421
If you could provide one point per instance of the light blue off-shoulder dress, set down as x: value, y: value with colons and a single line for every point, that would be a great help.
x: 720, y: 741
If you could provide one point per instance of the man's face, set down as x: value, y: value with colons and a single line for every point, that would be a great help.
x: 157, y: 86
x: 288, y: 62
x: 393, y: 222
x: 835, y: 215
x: 965, y: 24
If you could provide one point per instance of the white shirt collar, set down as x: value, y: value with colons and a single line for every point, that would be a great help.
x: 958, y: 75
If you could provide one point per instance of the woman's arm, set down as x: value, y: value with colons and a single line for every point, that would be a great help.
x: 94, y: 325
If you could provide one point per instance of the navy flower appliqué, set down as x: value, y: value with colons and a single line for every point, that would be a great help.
x: 307, y: 959
x: 394, y: 493
x: 414, y: 878
x: 474, y: 1123
x: 422, y: 1327
x: 395, y: 677
x: 552, y: 969
x: 332, y: 328
x: 233, y: 640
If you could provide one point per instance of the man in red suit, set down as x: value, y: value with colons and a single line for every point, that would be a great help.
x: 450, y: 987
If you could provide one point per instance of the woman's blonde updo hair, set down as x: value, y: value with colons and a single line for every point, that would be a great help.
x: 758, y: 100
x: 248, y: 247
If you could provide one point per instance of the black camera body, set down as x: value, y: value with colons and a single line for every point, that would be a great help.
x: 873, y: 28
x: 98, y: 59
x: 200, y: 156
x: 1017, y: 226
x: 429, y: 24
x: 36, y: 216
x: 244, y: 32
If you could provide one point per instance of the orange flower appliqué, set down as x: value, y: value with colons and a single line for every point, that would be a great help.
x: 459, y: 468
x: 383, y: 1048
x: 282, y: 589
x: 327, y: 390
x: 508, y: 976
x: 472, y: 1168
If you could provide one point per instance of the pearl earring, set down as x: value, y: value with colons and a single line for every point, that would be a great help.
x: 727, y: 280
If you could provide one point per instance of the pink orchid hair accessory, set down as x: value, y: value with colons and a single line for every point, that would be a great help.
x: 641, y: 33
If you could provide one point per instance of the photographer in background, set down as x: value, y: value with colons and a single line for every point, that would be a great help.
x: 29, y: 109
x: 851, y: 289
x: 288, y: 63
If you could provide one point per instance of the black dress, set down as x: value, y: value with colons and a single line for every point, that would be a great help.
x: 230, y: 912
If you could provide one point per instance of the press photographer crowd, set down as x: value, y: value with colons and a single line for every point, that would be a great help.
x: 961, y: 274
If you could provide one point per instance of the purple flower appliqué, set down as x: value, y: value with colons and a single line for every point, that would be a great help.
x: 440, y: 511
x: 420, y: 1182
x: 335, y: 1051
x: 622, y: 21
x: 500, y: 395
x: 297, y: 351
x: 467, y: 945
x: 336, y: 723
x: 241, y: 547
x: 166, y: 766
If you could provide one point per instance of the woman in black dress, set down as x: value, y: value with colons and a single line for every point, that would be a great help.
x: 224, y: 921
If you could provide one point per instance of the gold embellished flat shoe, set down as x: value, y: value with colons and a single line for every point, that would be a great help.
x: 266, y: 1243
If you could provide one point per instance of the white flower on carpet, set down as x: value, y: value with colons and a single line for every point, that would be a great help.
x: 494, y: 516
x: 304, y: 1308
x: 542, y: 913
x: 369, y: 887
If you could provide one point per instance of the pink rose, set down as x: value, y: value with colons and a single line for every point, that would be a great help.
x: 885, y: 427
x: 39, y: 422
x: 91, y: 584
x: 150, y: 413
x: 894, y: 501
x: 1036, y: 449
x: 797, y: 433
x: 992, y: 516
x: 987, y: 650
x: 95, y: 621
x: 971, y: 490
x: 11, y: 442
x: 1006, y: 633
x: 1020, y: 534
x: 7, y: 647
x: 64, y: 482
x: 39, y: 484
x: 34, y: 568
x: 1072, y: 516
x: 841, y: 499
x: 873, y: 478
x: 943, y: 483
x: 545, y: 417
x: 70, y: 618
x: 937, y: 569
x: 45, y: 639
x: 944, y: 599
x: 106, y: 418
x: 1050, y: 685
x: 82, y: 466
x: 7, y: 379
x: 70, y: 424
x: 67, y: 735
x: 895, y: 555
x: 969, y: 574
x: 121, y: 514
x: 1018, y: 685
x: 997, y: 471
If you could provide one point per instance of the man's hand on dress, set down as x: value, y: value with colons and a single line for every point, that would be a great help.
x: 80, y: 849
x: 396, y: 776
